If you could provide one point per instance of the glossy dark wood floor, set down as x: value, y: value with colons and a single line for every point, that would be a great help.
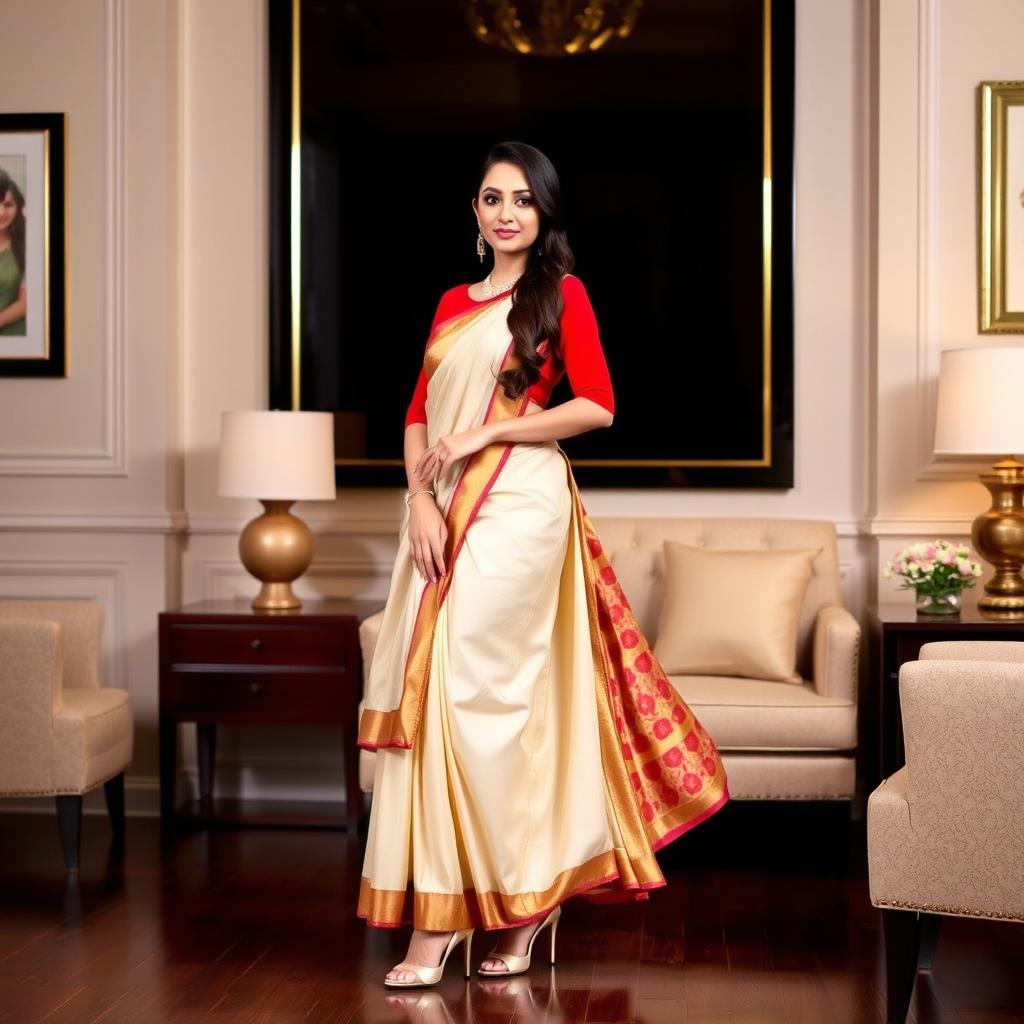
x: 766, y: 919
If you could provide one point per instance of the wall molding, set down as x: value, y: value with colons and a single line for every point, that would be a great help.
x: 107, y: 459
x: 39, y: 522
x: 915, y: 526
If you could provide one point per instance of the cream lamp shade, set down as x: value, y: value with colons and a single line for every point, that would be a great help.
x: 981, y: 412
x: 981, y: 401
x: 278, y: 457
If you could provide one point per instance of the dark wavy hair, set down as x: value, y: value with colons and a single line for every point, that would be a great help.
x: 537, y: 295
x: 17, y: 228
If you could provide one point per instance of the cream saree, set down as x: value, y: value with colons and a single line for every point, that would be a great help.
x: 530, y: 746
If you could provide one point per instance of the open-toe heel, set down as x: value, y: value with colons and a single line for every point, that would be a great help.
x: 432, y: 975
x: 520, y: 964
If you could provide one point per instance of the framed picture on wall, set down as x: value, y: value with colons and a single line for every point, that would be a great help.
x: 1001, y: 192
x: 673, y: 141
x: 32, y: 246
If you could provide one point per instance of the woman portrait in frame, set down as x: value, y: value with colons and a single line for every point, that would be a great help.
x: 32, y: 246
x: 13, y: 300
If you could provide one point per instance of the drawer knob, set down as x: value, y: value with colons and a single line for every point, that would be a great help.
x: 256, y: 688
x: 257, y: 644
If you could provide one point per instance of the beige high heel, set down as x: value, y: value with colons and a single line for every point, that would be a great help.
x: 520, y: 964
x: 432, y: 975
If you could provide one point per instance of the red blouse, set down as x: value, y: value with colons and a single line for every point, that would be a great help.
x: 582, y: 353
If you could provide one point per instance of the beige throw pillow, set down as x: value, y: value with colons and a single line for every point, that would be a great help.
x: 732, y: 613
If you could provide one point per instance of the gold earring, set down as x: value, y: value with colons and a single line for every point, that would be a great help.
x: 480, y: 251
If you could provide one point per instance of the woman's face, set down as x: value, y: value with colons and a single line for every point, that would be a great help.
x: 506, y: 211
x: 8, y: 210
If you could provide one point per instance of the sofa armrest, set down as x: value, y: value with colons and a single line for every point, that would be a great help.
x: 889, y: 839
x: 836, y: 653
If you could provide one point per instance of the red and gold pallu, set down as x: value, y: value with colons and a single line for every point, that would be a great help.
x: 530, y: 747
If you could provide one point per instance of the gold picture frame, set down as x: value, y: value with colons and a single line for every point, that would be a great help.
x: 1001, y: 212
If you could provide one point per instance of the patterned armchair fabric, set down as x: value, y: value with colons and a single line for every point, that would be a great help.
x: 62, y: 733
x: 946, y: 832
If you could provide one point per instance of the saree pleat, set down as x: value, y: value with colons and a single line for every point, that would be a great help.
x: 529, y: 746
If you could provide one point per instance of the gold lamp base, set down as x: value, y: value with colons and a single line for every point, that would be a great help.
x: 998, y: 536
x: 277, y: 548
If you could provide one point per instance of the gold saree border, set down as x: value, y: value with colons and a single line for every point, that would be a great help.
x: 387, y: 908
x: 397, y: 727
x: 641, y: 838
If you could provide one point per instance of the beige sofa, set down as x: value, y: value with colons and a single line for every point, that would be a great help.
x: 946, y: 831
x: 62, y: 733
x: 779, y: 741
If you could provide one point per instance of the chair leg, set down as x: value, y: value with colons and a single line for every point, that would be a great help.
x: 69, y: 821
x: 113, y: 790
x: 902, y: 937
x: 929, y: 941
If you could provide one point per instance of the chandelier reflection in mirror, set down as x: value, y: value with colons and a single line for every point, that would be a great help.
x: 550, y: 28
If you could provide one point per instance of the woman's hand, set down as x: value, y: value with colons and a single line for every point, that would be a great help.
x: 439, y: 456
x: 427, y: 535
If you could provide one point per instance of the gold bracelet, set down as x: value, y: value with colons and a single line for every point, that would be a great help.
x: 412, y: 494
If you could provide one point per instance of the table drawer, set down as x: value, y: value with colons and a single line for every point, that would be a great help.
x: 280, y: 644
x: 306, y: 696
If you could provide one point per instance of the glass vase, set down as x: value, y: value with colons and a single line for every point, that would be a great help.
x: 938, y: 604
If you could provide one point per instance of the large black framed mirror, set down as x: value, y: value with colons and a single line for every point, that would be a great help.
x: 674, y: 145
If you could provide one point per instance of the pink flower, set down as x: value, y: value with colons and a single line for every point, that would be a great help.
x: 608, y: 575
x: 651, y: 770
x: 641, y: 744
x: 630, y: 677
x: 643, y: 662
x: 645, y: 703
x: 664, y: 689
x: 629, y: 638
x: 635, y: 779
x: 710, y: 766
x: 662, y: 727
x: 673, y: 757
x: 616, y: 613
x: 692, y: 783
x: 669, y: 796
x: 627, y: 752
x: 647, y: 810
x: 691, y: 741
x: 595, y: 546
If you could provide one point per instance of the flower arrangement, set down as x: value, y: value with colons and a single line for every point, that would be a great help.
x: 935, y: 570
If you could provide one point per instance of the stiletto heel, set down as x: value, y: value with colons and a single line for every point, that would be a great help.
x: 432, y: 975
x: 469, y: 955
x: 521, y: 964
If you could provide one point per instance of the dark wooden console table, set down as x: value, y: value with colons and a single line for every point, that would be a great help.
x: 896, y: 634
x: 222, y: 662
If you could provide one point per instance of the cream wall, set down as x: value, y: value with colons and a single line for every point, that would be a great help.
x: 931, y: 55
x: 111, y: 493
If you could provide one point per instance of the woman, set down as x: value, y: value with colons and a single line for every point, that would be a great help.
x: 12, y: 257
x: 529, y: 746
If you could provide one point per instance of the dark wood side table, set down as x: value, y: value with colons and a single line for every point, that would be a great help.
x: 222, y: 662
x: 896, y: 634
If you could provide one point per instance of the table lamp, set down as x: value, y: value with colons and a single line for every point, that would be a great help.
x: 981, y: 412
x: 279, y: 458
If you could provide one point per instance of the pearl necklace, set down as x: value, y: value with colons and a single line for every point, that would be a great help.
x: 493, y: 290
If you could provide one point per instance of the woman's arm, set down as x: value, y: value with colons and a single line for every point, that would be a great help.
x: 16, y: 310
x: 576, y: 416
x: 415, y: 446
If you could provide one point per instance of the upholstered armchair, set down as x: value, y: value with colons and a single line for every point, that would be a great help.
x: 62, y: 733
x: 946, y: 832
x: 779, y: 740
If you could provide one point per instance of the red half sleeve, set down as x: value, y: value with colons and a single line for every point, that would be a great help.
x: 417, y: 410
x: 585, y: 363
